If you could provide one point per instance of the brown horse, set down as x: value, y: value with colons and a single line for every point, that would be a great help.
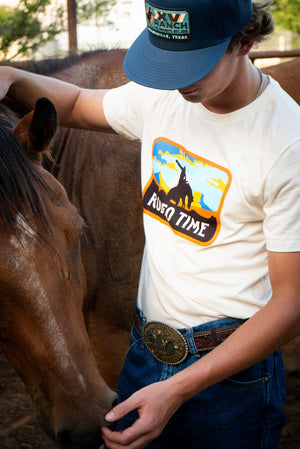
x: 43, y: 285
x: 101, y: 173
x: 288, y: 76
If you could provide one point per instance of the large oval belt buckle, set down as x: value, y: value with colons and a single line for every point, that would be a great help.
x: 165, y: 343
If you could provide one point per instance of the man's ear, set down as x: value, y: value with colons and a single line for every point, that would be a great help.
x: 244, y: 47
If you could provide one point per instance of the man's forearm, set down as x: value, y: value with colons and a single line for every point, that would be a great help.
x: 75, y: 107
x: 27, y: 87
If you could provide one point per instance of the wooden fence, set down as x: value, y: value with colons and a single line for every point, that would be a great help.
x: 274, y: 54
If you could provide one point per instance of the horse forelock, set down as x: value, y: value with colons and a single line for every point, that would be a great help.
x: 20, y: 182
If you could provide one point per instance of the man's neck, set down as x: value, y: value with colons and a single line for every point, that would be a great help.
x: 247, y: 84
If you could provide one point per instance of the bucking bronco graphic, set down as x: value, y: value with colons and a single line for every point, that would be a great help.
x: 182, y: 191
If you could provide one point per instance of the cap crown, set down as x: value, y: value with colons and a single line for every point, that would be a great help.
x: 194, y: 24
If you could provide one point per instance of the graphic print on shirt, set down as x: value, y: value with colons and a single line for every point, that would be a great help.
x: 186, y: 192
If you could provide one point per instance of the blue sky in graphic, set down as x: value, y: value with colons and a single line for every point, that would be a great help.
x: 199, y: 173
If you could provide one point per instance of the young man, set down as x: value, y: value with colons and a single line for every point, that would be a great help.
x: 219, y: 286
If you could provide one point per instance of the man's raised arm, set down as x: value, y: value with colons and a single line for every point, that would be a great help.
x: 76, y: 107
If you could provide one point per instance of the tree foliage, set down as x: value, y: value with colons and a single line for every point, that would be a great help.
x: 32, y: 23
x: 23, y: 29
x: 97, y: 9
x: 287, y: 14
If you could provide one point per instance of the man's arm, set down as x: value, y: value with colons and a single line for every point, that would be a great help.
x: 76, y: 107
x: 274, y: 325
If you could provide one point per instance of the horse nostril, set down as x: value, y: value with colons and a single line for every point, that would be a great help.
x: 68, y: 439
x: 64, y: 438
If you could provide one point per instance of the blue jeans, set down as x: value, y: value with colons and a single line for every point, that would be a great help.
x: 241, y: 412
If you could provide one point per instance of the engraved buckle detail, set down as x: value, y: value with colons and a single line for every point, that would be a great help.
x: 165, y: 343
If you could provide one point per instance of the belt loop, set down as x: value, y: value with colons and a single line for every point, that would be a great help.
x: 141, y: 320
x: 215, y: 337
x: 191, y: 342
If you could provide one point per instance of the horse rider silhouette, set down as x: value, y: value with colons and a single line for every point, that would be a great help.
x: 182, y: 191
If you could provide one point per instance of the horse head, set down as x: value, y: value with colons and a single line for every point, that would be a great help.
x: 43, y: 285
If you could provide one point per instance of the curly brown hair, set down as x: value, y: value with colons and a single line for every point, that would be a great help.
x: 260, y: 25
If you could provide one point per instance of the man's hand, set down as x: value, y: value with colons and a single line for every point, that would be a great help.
x: 155, y: 405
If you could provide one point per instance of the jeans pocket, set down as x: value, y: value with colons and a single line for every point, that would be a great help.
x: 255, y: 375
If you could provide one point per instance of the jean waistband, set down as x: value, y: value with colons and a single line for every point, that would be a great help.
x: 164, y: 342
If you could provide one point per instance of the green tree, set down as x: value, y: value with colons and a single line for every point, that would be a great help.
x: 24, y: 29
x: 287, y: 14
x: 21, y: 29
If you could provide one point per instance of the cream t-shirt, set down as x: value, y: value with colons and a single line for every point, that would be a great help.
x: 219, y: 191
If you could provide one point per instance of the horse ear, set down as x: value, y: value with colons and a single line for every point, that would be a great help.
x: 36, y: 130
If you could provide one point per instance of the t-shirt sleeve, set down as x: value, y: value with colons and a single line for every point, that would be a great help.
x: 282, y: 202
x: 121, y: 109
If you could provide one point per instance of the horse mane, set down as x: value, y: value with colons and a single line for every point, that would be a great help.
x: 20, y: 182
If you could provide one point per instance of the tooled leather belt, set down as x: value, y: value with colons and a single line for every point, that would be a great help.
x: 169, y: 345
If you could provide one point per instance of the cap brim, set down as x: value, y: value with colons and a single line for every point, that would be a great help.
x: 154, y: 67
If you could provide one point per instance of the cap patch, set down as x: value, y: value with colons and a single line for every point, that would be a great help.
x: 168, y: 24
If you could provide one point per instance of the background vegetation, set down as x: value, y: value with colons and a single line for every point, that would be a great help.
x: 32, y: 23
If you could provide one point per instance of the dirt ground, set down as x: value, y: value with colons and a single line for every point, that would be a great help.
x: 19, y: 429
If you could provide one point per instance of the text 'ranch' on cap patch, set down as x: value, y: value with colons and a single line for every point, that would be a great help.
x: 168, y: 24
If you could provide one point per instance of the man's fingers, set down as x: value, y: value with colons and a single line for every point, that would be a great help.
x: 120, y: 410
x: 136, y: 436
x: 131, y: 437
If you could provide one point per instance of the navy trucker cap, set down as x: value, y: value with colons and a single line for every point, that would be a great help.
x: 184, y: 40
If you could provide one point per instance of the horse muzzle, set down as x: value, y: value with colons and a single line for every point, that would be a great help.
x: 70, y: 439
x: 74, y: 434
